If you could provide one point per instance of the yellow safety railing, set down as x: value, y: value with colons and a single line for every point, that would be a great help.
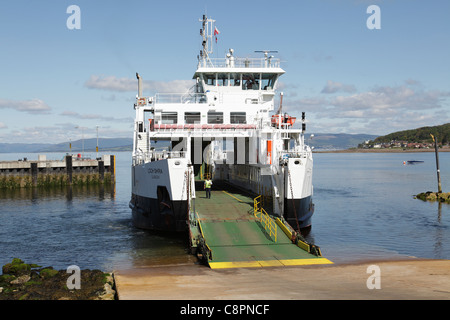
x: 256, y: 204
x: 204, y: 172
x: 269, y: 225
x: 301, y: 244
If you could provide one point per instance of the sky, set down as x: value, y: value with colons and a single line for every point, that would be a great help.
x: 66, y: 74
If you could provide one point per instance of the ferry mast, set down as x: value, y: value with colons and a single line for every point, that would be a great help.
x: 207, y: 31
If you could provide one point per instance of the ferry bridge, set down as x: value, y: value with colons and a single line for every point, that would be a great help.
x: 233, y: 230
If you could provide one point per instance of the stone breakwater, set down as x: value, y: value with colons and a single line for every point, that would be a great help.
x: 51, y: 173
x: 22, y: 281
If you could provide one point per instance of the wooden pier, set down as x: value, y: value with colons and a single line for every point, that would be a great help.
x: 47, y: 173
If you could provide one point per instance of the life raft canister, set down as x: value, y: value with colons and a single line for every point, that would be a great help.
x: 277, y: 119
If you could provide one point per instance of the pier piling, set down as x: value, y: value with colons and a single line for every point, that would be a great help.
x: 69, y: 169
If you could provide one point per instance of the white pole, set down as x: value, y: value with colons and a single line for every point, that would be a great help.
x: 97, y: 142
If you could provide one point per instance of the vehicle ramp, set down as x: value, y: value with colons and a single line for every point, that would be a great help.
x: 232, y: 230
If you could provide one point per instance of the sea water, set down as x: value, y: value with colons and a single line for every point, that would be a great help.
x: 365, y: 207
x: 364, y: 210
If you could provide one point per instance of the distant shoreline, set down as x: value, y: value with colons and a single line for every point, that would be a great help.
x: 387, y: 150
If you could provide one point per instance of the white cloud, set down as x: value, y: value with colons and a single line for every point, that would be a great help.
x: 112, y: 83
x: 34, y: 106
x: 62, y: 132
x: 389, y: 101
x: 333, y: 87
x: 3, y: 126
x: 380, y: 110
x: 91, y: 116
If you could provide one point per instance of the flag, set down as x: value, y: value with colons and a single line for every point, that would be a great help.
x: 216, y: 32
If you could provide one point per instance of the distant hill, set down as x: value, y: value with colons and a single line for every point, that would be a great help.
x: 22, y: 147
x: 320, y: 141
x: 104, y: 144
x: 419, y: 135
x: 337, y: 141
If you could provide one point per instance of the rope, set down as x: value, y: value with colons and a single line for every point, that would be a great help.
x: 293, y: 202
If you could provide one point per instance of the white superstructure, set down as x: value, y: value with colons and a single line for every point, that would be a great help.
x: 226, y: 126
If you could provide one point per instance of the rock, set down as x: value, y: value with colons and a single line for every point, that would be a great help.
x: 434, y: 196
x: 48, y: 272
x: 108, y: 294
x: 444, y: 196
x: 21, y: 279
x: 17, y: 267
x: 21, y: 283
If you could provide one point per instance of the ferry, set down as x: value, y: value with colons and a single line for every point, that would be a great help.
x: 226, y: 127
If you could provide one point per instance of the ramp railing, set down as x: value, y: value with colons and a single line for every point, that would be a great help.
x: 269, y: 225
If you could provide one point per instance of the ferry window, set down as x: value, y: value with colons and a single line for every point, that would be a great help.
x: 222, y: 79
x: 192, y: 117
x: 210, y: 79
x: 169, y: 117
x: 215, y: 117
x: 268, y: 81
x: 250, y: 81
x: 238, y: 117
x: 235, y: 79
x: 149, y: 117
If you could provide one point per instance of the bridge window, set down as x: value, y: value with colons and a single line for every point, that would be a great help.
x: 192, y: 117
x: 268, y: 81
x: 215, y: 117
x: 235, y: 79
x: 169, y: 117
x: 250, y: 81
x: 222, y: 79
x: 238, y: 117
x: 210, y: 79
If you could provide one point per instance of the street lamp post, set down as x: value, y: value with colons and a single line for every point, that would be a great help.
x: 96, y: 148
x: 82, y: 140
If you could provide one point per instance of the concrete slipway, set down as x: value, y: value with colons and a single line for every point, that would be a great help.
x: 268, y: 279
x: 399, y: 280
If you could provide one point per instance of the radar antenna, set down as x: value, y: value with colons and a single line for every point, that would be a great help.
x: 267, y: 58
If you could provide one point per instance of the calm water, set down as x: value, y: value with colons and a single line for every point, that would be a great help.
x: 364, y: 210
x: 365, y: 207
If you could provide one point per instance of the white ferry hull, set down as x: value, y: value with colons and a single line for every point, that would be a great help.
x: 158, y: 203
x: 159, y: 200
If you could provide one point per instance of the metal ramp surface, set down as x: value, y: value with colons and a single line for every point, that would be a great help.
x: 234, y: 237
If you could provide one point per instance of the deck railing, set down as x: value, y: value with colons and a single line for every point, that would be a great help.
x: 179, y: 127
x: 240, y: 63
x: 180, y: 98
